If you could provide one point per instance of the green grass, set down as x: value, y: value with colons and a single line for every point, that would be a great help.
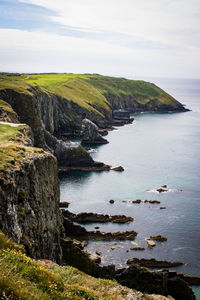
x: 12, y: 149
x: 6, y: 107
x: 91, y: 92
x: 142, y: 91
x: 10, y: 152
x: 10, y: 133
x: 51, y: 81
x: 26, y: 279
x: 14, y: 82
x: 6, y: 243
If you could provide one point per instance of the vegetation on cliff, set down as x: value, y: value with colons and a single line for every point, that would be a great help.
x: 29, y: 193
x: 26, y: 279
x: 55, y: 104
x: 13, y: 139
x: 95, y: 93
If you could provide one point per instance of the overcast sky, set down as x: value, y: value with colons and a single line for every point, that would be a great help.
x: 129, y: 38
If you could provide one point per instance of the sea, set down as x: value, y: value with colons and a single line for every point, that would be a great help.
x: 155, y: 150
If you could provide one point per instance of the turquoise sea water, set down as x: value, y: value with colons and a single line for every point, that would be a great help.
x: 155, y: 150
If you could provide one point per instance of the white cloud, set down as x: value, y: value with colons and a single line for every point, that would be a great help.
x: 25, y: 51
x: 173, y: 23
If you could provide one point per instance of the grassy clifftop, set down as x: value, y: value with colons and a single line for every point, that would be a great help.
x: 95, y: 93
x: 14, y: 139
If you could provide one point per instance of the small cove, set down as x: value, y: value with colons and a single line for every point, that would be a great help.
x: 156, y: 149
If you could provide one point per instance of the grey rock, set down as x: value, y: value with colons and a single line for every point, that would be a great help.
x: 91, y: 134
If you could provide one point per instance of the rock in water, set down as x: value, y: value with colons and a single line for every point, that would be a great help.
x: 153, y: 263
x: 151, y: 244
x: 118, y: 169
x: 90, y: 133
x: 158, y: 238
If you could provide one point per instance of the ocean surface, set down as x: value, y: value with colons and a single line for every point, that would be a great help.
x: 157, y: 149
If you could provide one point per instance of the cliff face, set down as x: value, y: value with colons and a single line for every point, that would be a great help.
x: 29, y: 193
x: 48, y: 115
x: 29, y: 206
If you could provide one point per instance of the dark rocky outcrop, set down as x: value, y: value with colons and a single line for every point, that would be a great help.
x: 191, y: 280
x: 109, y: 236
x: 152, y: 201
x: 91, y: 134
x: 178, y: 288
x: 153, y: 263
x: 137, y: 248
x: 111, y: 201
x: 94, y: 167
x: 121, y: 117
x: 162, y: 190
x: 118, y: 169
x: 158, y: 238
x: 138, y: 201
x: 79, y: 232
x: 64, y: 204
x: 134, y: 276
x: 154, y: 282
x: 93, y: 217
x: 74, y: 256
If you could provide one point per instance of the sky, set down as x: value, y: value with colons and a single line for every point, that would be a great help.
x: 127, y: 38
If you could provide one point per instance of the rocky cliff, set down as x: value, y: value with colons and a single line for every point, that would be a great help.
x: 47, y: 116
x: 54, y: 105
x: 29, y: 193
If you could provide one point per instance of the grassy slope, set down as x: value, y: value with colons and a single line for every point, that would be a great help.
x: 88, y: 91
x: 26, y: 279
x: 142, y: 91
